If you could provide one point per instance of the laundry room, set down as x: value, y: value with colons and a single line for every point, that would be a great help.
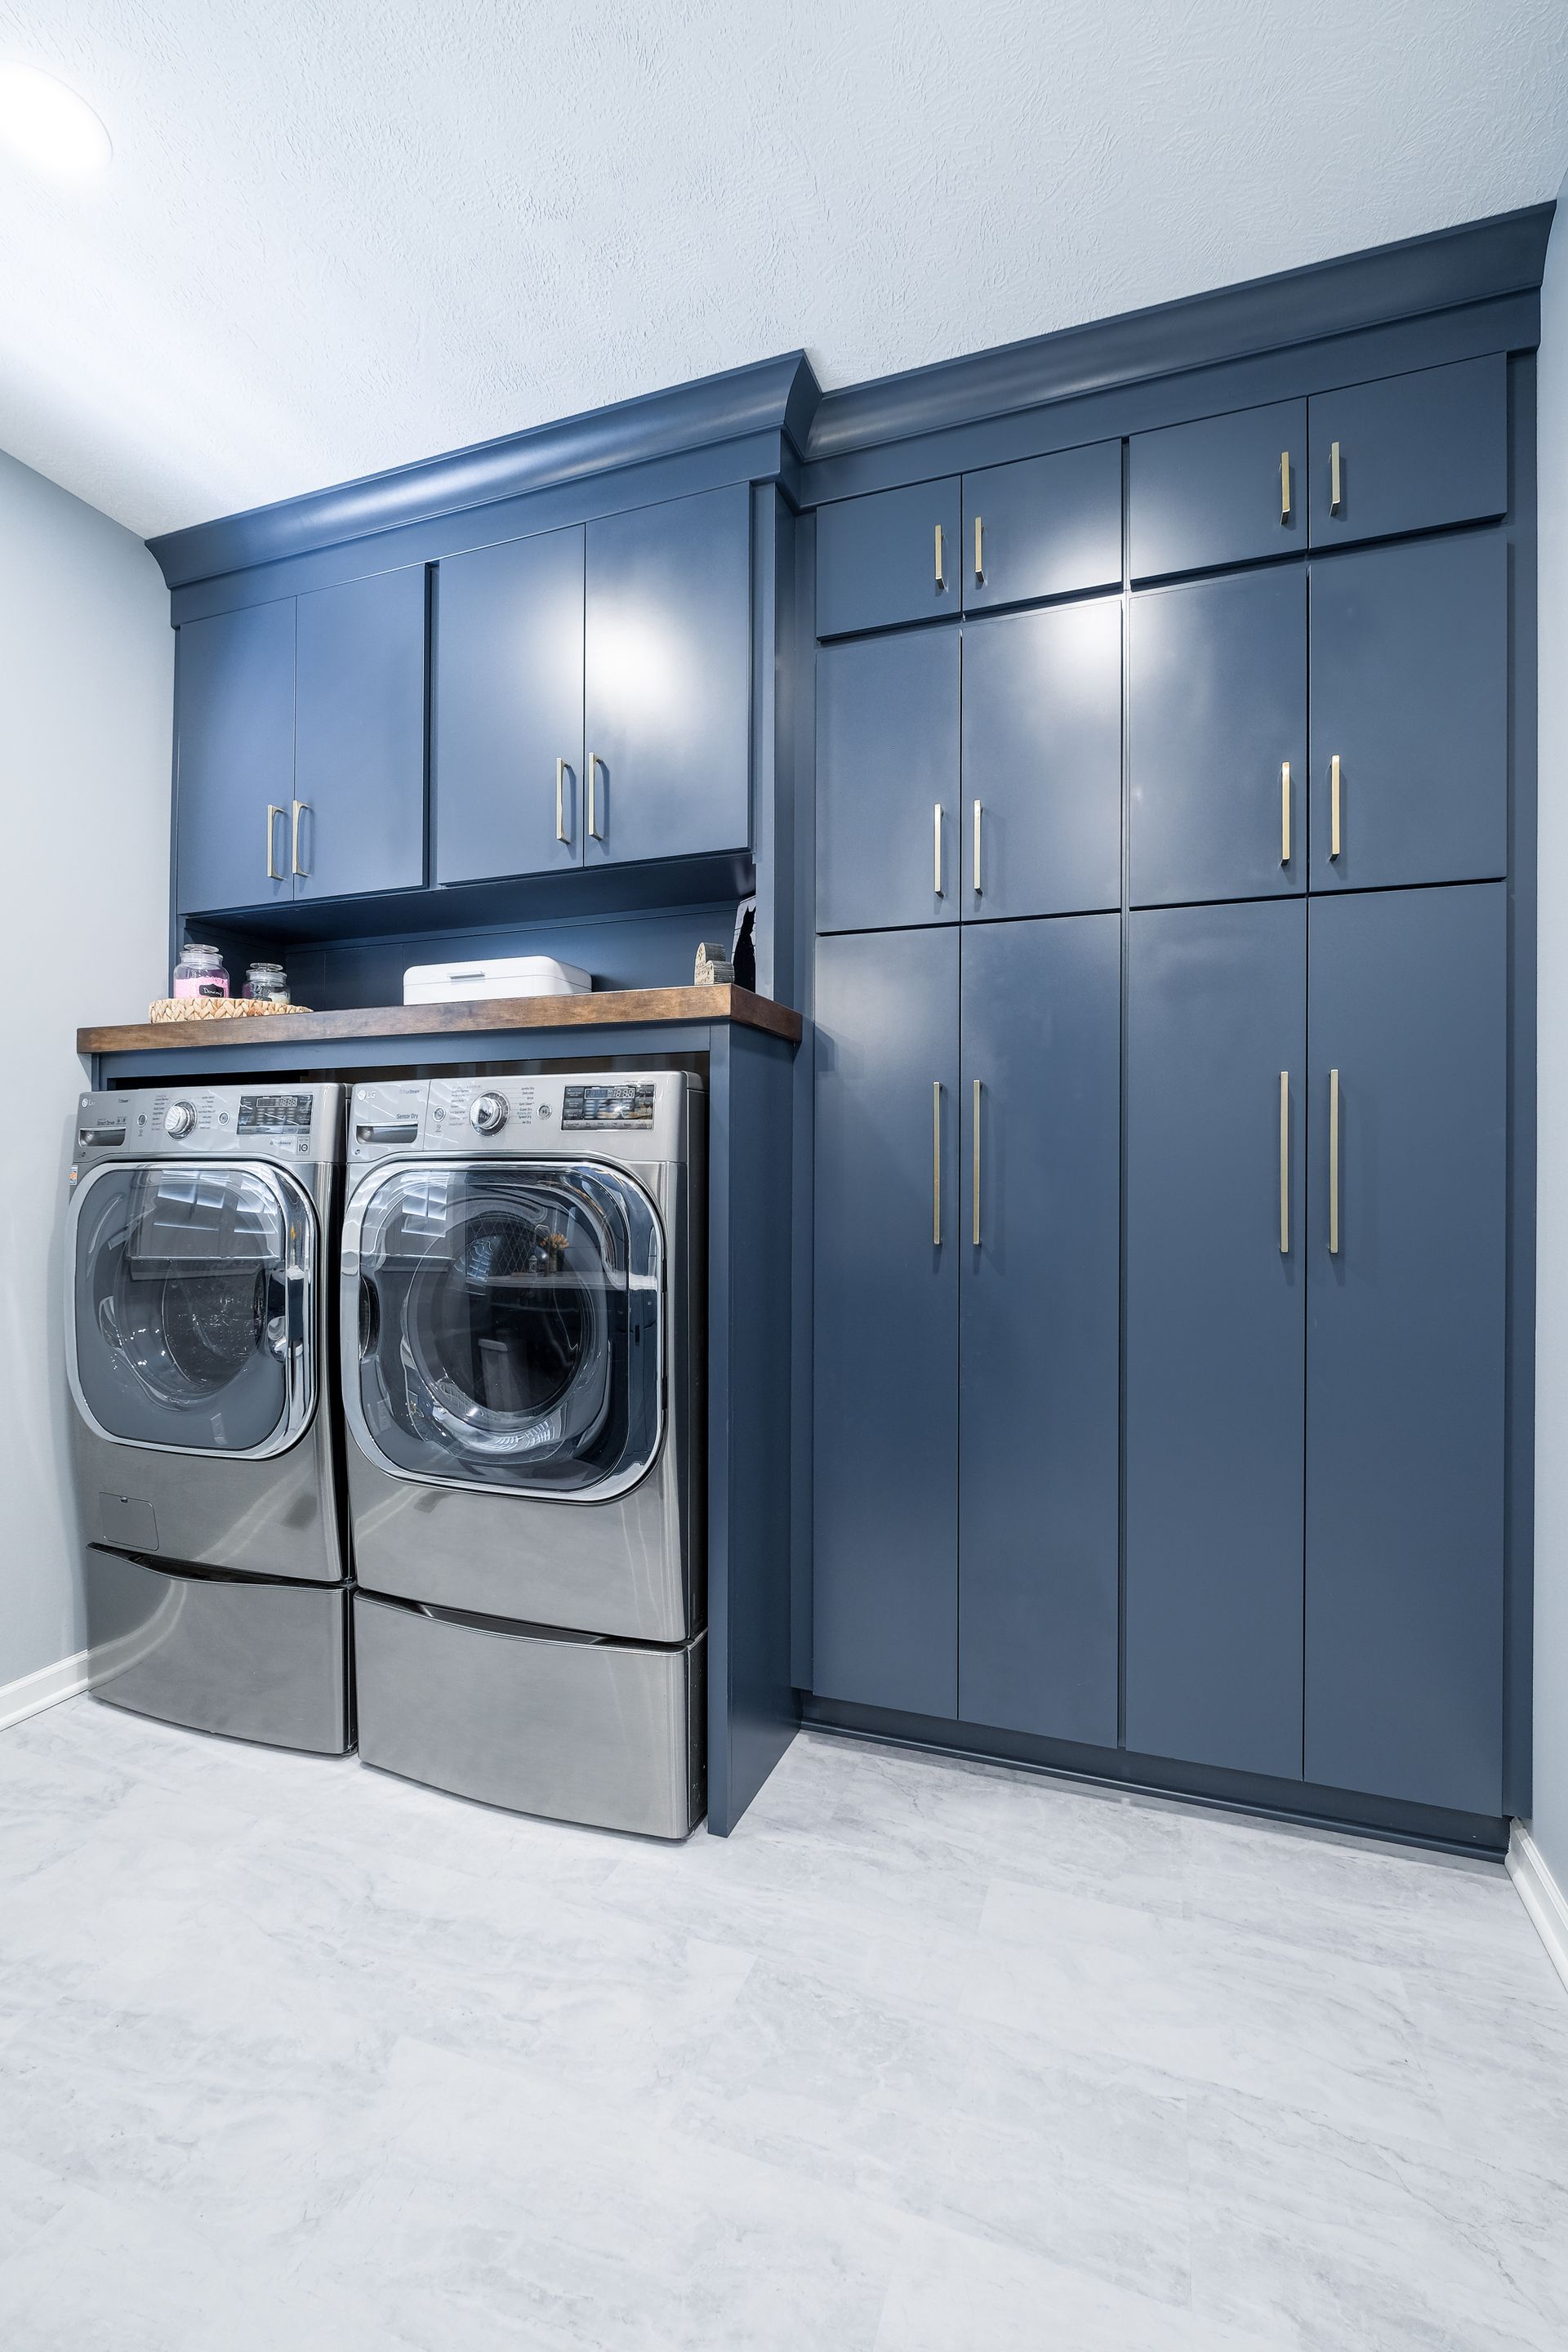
x: 787, y: 1540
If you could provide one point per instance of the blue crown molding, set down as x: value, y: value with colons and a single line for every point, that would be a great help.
x: 777, y: 395
x: 1504, y: 255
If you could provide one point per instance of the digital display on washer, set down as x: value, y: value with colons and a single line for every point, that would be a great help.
x: 611, y: 1105
x: 274, y: 1114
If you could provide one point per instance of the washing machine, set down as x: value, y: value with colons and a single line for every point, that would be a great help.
x: 199, y: 1310
x: 521, y: 1310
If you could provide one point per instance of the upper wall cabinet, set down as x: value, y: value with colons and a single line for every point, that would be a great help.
x: 235, y: 764
x: 1228, y: 489
x: 300, y: 733
x: 1010, y: 534
x: 888, y: 821
x: 1410, y: 453
x: 667, y: 695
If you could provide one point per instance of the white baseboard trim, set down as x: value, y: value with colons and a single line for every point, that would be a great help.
x: 1541, y: 1895
x: 33, y: 1693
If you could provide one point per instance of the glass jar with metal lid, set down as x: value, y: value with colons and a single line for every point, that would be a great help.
x: 200, y: 971
x: 267, y: 983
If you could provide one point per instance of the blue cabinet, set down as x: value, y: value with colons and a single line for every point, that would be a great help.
x: 359, y: 737
x: 1409, y: 714
x: 1406, y: 1246
x: 1043, y: 527
x: 1041, y: 762
x: 1410, y: 452
x: 507, y: 716
x: 888, y: 1245
x: 235, y: 760
x: 667, y: 755
x: 889, y: 829
x: 1038, y: 1246
x: 1218, y: 751
x: 1225, y: 489
x: 1216, y: 1041
x: 891, y: 557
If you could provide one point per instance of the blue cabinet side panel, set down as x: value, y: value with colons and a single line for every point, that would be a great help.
x: 359, y: 744
x: 1038, y: 1338
x: 888, y: 782
x: 1417, y: 452
x: 235, y: 758
x: 1216, y: 1012
x: 1044, y: 526
x: 1405, y: 1347
x: 877, y: 559
x: 885, y: 1320
x: 1224, y: 489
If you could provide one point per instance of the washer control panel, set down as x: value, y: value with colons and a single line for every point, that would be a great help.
x: 255, y: 1121
x: 573, y: 1116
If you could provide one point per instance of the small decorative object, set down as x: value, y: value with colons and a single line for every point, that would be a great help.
x: 200, y: 972
x: 267, y: 983
x: 714, y: 968
x: 216, y: 1008
x: 743, y: 954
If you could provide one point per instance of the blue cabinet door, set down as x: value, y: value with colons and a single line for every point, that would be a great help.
x: 1227, y: 489
x: 1216, y: 1016
x: 1041, y: 806
x: 359, y: 738
x: 891, y: 557
x: 507, y: 710
x: 666, y: 753
x: 235, y: 760
x: 1217, y: 750
x: 889, y: 846
x: 1410, y: 714
x: 1043, y: 527
x: 1410, y: 452
x: 888, y: 1242
x: 1040, y: 1251
x: 1406, y: 1345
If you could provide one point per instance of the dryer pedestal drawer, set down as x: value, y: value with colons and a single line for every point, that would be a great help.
x: 234, y: 1654
x: 578, y: 1728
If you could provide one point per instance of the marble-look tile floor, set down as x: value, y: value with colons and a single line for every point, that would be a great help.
x: 927, y: 2057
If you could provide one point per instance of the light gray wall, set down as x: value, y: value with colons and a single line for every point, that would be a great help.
x: 86, y: 718
x: 1550, y: 1824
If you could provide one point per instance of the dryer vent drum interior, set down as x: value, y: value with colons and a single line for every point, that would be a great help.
x: 511, y: 1325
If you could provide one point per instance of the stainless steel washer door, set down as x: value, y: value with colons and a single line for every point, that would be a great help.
x: 511, y: 1325
x: 189, y: 1324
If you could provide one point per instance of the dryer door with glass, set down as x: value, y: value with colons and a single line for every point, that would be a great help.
x: 189, y: 1326
x: 510, y: 1321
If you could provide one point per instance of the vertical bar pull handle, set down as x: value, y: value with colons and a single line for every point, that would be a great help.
x: 1333, y: 1163
x: 979, y: 548
x: 1284, y: 485
x: 1284, y: 1164
x: 975, y: 1169
x: 936, y: 848
x: 1285, y: 813
x: 560, y: 832
x: 1335, y: 806
x: 1336, y: 481
x: 941, y: 569
x: 936, y: 1164
x: 591, y: 772
x: 274, y: 810
x: 302, y: 808
x: 977, y: 849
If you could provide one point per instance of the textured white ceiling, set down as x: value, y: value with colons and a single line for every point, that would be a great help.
x: 337, y: 236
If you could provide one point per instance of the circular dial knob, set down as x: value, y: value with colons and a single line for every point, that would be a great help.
x: 489, y: 1114
x: 181, y: 1118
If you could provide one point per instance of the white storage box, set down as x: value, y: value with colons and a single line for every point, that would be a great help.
x: 446, y: 983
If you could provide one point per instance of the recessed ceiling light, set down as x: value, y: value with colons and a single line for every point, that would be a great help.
x: 49, y: 126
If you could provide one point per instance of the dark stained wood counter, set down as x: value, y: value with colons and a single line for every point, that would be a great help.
x: 607, y: 1008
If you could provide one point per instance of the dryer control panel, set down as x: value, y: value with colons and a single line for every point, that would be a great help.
x: 288, y: 1123
x: 575, y: 1115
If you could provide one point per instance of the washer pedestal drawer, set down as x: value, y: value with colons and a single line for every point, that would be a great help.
x: 575, y: 1727
x: 235, y: 1654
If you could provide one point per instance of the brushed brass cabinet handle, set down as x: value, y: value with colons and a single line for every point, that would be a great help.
x: 1333, y: 1163
x: 975, y: 1169
x: 1284, y: 485
x: 1285, y: 813
x: 936, y: 849
x: 977, y: 849
x: 936, y: 1164
x: 1336, y: 485
x: 1335, y: 806
x: 940, y: 572
x: 274, y: 810
x: 979, y: 548
x: 591, y: 772
x: 560, y: 832
x: 302, y: 808
x: 1284, y: 1164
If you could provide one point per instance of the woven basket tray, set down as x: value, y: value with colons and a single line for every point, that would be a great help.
x: 216, y: 1008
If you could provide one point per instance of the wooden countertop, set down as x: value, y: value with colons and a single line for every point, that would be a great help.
x: 620, y: 1007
